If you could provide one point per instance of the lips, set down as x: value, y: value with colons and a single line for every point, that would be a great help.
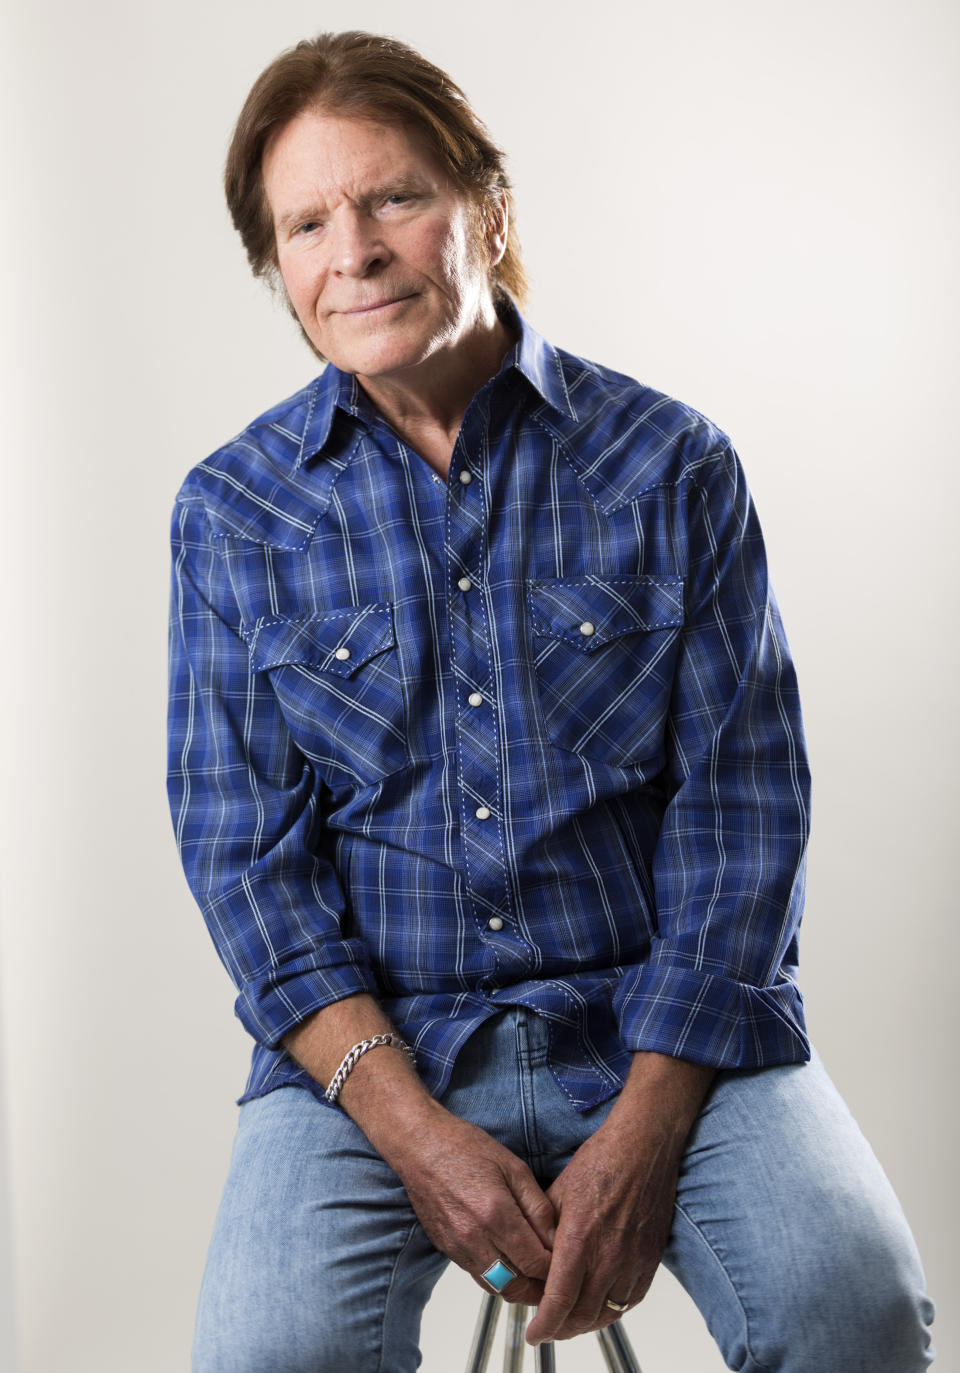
x: 376, y: 305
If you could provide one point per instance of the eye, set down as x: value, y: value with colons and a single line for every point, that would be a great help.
x: 307, y: 227
x: 398, y: 198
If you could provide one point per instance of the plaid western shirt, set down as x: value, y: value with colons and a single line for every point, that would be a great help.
x: 527, y: 736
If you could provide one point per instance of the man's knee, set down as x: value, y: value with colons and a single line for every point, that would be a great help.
x: 855, y: 1301
x: 791, y: 1238
x: 292, y: 1337
x: 251, y: 1350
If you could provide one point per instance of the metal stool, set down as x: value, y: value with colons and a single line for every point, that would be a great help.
x: 614, y: 1345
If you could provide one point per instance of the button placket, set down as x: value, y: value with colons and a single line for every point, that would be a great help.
x: 477, y: 726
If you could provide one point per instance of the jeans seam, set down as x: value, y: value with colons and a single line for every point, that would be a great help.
x: 760, y: 1367
x: 389, y: 1292
x: 531, y: 1134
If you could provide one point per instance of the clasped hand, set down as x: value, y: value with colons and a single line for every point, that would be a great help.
x: 598, y: 1231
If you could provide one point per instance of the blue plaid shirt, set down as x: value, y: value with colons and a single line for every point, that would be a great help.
x: 528, y: 736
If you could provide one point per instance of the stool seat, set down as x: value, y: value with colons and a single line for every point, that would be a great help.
x: 616, y: 1348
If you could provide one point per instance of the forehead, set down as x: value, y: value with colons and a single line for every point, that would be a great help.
x: 327, y: 154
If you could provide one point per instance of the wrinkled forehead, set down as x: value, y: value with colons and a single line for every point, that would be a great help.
x: 351, y: 146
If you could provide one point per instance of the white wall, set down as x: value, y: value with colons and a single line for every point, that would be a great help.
x: 752, y: 205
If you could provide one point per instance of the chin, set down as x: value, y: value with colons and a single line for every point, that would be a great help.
x: 379, y: 359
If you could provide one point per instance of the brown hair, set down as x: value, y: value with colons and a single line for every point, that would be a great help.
x: 366, y: 74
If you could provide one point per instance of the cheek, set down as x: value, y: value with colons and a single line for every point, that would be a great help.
x: 301, y: 282
x: 452, y: 249
x: 450, y: 254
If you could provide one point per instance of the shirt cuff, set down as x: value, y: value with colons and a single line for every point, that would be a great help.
x: 271, y: 1008
x: 670, y: 1009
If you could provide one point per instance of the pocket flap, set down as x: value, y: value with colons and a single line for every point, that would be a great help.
x: 338, y: 641
x: 590, y: 611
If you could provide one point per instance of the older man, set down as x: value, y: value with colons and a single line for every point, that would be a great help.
x: 487, y: 771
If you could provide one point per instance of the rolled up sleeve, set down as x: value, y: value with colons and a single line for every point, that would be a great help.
x: 728, y: 870
x: 245, y: 807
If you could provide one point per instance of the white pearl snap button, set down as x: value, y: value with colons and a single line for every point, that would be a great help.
x: 465, y: 584
x: 587, y: 628
x: 483, y: 812
x: 475, y: 698
x: 466, y: 477
x: 343, y: 654
x: 495, y: 923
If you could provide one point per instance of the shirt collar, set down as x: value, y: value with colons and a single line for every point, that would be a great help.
x: 333, y: 390
x: 538, y: 361
x: 531, y: 355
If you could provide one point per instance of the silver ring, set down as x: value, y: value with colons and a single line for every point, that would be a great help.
x: 616, y: 1306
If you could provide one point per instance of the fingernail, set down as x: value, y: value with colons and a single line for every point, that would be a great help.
x: 551, y: 1237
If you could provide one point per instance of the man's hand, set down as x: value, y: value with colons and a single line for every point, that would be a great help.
x: 615, y: 1211
x: 615, y: 1200
x: 478, y: 1202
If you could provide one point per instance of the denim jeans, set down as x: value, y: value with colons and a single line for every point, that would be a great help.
x: 786, y: 1232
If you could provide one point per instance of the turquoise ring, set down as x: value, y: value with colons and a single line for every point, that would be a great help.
x: 498, y: 1275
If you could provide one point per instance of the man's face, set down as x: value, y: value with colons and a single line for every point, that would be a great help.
x: 378, y: 250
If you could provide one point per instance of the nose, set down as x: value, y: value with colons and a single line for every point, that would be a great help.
x: 358, y: 247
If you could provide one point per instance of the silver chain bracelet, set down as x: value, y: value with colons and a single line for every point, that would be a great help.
x: 354, y: 1055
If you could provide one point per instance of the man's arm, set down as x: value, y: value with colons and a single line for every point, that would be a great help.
x: 728, y: 870
x: 243, y: 805
x: 243, y: 808
x: 717, y: 990
x: 474, y: 1198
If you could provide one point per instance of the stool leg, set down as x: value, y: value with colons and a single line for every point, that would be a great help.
x: 483, y: 1334
x: 514, y: 1346
x: 617, y: 1349
x: 544, y: 1361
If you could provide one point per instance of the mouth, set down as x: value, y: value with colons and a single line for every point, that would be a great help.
x: 378, y: 306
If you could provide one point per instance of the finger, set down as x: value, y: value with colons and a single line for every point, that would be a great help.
x: 525, y: 1290
x: 592, y: 1312
x: 572, y: 1328
x: 514, y: 1236
x: 537, y: 1208
x: 488, y: 1222
x: 502, y: 1231
x: 561, y: 1290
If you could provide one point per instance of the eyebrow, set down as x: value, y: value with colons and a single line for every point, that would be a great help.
x: 294, y: 217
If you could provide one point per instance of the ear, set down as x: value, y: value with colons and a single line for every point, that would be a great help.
x: 497, y: 226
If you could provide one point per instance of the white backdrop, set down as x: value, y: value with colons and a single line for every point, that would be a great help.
x: 752, y: 205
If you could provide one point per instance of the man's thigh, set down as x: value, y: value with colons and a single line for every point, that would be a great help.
x: 788, y: 1235
x: 317, y: 1261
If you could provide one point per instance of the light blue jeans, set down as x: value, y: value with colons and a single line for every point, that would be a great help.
x: 786, y: 1234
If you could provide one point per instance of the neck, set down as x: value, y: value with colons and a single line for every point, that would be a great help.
x: 426, y: 403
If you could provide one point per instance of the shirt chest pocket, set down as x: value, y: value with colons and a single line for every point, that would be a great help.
x: 605, y: 652
x: 336, y: 676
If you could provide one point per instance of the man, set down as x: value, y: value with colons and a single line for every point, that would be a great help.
x: 487, y: 771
